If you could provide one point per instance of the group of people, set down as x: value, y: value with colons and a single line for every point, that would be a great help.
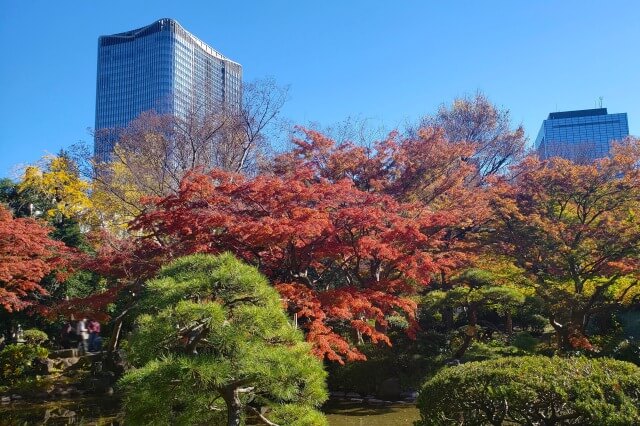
x: 86, y: 333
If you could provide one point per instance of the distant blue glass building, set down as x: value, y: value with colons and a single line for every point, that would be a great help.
x: 159, y: 67
x: 581, y: 136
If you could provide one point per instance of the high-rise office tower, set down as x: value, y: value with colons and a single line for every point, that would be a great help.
x: 582, y: 136
x: 160, y: 67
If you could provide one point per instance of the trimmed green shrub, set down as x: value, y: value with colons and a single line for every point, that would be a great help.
x: 533, y: 390
x: 16, y: 361
x: 493, y: 349
x: 33, y: 336
x: 525, y: 341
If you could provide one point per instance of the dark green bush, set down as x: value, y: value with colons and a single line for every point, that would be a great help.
x: 493, y: 349
x: 408, y: 361
x: 627, y: 350
x: 525, y: 342
x: 533, y: 390
x: 16, y: 361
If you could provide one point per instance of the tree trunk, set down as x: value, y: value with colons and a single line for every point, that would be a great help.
x: 470, y: 333
x: 447, y: 312
x: 447, y: 318
x: 117, y: 328
x: 579, y: 322
x: 509, y: 324
x: 115, y: 336
x: 573, y: 328
x: 234, y: 406
x: 562, y: 334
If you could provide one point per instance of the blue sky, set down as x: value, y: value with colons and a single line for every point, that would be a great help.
x: 388, y: 62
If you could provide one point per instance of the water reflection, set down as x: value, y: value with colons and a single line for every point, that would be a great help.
x: 105, y: 411
x: 86, y: 411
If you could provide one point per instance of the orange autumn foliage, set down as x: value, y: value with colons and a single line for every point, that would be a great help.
x: 27, y: 255
x: 574, y: 230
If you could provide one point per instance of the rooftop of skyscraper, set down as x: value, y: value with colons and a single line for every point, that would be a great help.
x: 156, y: 26
x: 577, y: 113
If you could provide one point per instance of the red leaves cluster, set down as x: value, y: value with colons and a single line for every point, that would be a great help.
x: 27, y: 255
x: 579, y: 341
x: 425, y: 168
x: 341, y: 246
x: 364, y: 310
x: 336, y: 253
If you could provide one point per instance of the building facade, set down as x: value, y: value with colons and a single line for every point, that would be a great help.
x: 582, y: 135
x: 160, y: 67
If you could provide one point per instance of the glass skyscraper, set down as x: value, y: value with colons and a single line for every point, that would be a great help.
x: 160, y: 67
x: 581, y: 136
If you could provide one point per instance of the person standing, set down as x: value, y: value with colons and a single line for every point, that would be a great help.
x: 94, y: 335
x: 83, y: 336
x: 65, y: 335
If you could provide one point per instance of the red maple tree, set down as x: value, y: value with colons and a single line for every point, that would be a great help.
x: 27, y: 255
x: 337, y: 254
x: 346, y: 234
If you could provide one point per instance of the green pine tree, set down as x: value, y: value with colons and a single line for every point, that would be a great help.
x: 212, y: 345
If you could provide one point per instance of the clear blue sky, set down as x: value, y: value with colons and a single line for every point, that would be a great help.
x: 382, y: 60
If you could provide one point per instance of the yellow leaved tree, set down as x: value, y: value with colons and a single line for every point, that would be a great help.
x: 56, y: 189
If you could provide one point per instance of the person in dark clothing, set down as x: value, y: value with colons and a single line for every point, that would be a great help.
x: 67, y: 335
x: 94, y: 336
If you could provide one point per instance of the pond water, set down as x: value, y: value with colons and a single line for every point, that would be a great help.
x: 106, y: 412
x: 358, y: 414
x: 84, y: 411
